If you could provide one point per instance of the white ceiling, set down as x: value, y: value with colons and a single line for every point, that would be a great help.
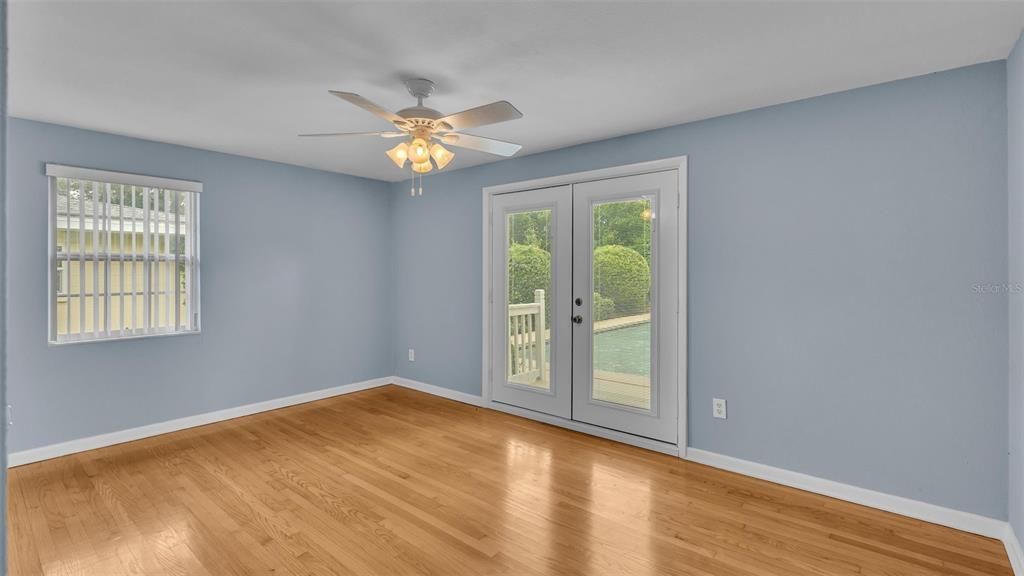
x: 246, y: 77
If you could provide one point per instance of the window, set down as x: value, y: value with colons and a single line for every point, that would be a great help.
x: 124, y: 255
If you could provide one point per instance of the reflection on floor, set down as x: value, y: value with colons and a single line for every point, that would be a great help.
x: 395, y: 482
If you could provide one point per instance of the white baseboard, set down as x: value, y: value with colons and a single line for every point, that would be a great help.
x: 1014, y: 550
x: 448, y: 393
x: 121, y: 436
x: 965, y: 521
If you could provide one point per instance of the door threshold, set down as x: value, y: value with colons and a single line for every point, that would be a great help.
x: 589, y: 429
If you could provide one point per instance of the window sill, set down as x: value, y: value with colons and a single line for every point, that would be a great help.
x: 59, y: 343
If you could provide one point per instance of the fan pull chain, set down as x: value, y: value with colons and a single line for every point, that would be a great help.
x: 412, y: 188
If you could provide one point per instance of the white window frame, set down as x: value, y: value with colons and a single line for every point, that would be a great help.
x: 55, y: 171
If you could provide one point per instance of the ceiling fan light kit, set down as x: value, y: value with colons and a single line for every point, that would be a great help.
x: 425, y: 129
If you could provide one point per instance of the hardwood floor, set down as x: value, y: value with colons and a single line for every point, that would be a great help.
x: 391, y: 481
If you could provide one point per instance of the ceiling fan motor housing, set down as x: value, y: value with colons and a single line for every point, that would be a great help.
x: 420, y: 88
x: 421, y: 118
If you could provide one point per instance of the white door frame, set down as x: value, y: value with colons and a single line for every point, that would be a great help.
x: 675, y: 163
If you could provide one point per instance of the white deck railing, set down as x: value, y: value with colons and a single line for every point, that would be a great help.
x: 525, y: 360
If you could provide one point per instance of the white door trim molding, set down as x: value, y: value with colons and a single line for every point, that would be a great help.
x: 589, y: 175
x: 122, y: 436
x: 678, y: 163
x: 966, y: 521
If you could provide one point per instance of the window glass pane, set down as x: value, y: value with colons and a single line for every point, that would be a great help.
x: 528, y: 345
x: 621, y: 305
x: 59, y: 278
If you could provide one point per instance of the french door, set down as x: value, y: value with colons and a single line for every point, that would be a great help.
x: 531, y: 293
x: 584, y: 310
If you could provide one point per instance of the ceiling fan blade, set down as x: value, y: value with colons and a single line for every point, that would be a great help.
x: 368, y: 106
x: 381, y: 134
x: 489, y: 145
x: 492, y: 113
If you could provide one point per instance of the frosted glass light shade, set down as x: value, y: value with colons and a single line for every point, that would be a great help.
x: 418, y: 151
x: 399, y: 154
x: 441, y: 155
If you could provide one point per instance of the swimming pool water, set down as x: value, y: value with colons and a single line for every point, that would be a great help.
x: 625, y: 350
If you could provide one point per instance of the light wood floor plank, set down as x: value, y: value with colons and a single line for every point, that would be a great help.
x: 391, y: 481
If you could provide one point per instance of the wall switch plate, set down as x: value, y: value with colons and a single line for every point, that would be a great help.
x: 718, y: 408
x: 10, y: 415
x: 412, y: 354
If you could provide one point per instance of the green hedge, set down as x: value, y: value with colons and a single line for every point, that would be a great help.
x: 604, y: 308
x: 529, y: 268
x: 622, y: 274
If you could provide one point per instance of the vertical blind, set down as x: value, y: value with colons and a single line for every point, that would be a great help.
x: 124, y: 255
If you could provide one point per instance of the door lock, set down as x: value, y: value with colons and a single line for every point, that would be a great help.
x: 579, y: 301
x: 577, y: 319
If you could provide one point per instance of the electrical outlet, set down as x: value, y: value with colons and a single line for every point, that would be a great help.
x: 412, y: 354
x: 718, y: 408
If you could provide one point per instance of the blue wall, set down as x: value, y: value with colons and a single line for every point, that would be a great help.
x: 848, y: 284
x: 1015, y: 186
x: 293, y: 264
x: 847, y: 259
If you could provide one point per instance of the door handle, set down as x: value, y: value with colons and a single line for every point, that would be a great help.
x: 577, y: 319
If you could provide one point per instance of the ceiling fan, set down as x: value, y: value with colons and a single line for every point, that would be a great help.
x: 425, y: 129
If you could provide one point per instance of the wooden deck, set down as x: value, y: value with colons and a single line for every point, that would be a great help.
x: 626, y: 389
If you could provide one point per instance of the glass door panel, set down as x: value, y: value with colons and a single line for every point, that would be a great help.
x: 621, y: 304
x: 528, y: 255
